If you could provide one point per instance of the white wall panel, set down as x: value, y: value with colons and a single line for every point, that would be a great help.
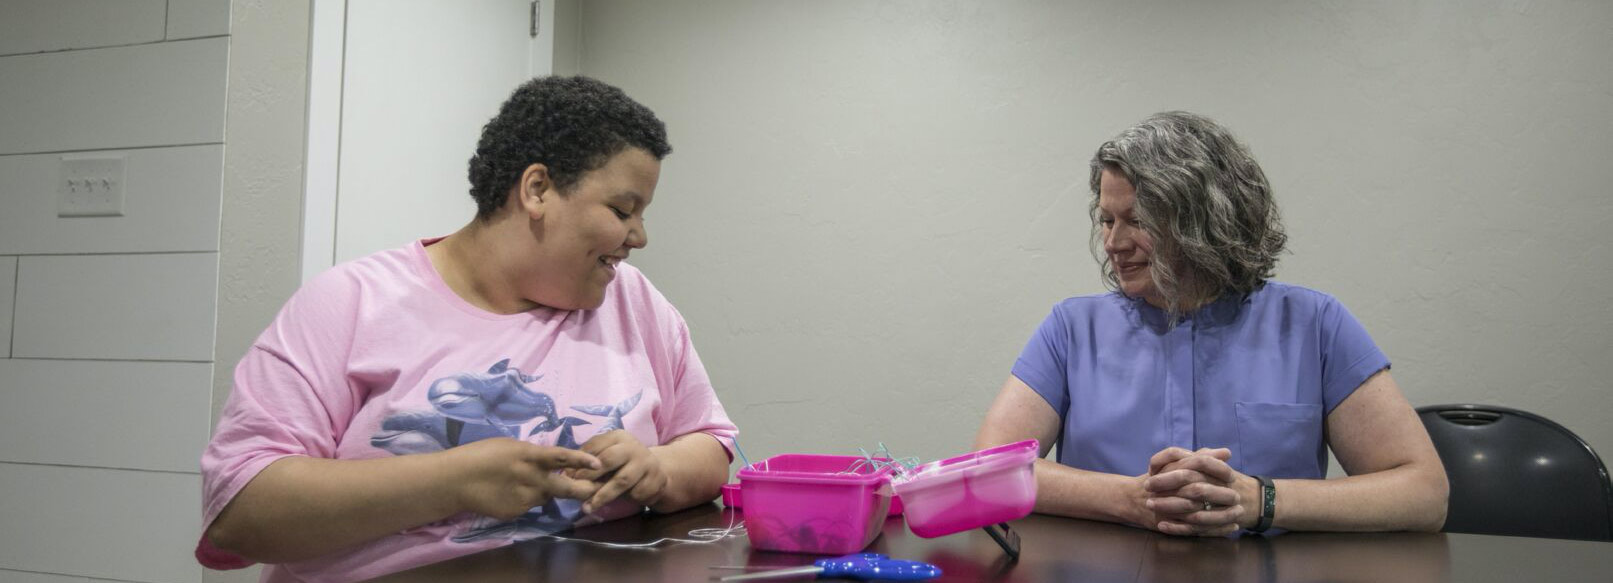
x: 34, y: 26
x: 159, y: 94
x: 141, y: 415
x: 194, y: 18
x: 118, y: 307
x: 415, y: 49
x: 170, y: 203
x: 8, y: 293
x: 91, y: 522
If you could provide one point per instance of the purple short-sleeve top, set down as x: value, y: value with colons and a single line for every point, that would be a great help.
x: 1255, y: 373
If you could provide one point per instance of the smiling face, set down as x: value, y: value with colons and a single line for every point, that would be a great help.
x: 581, y: 235
x: 1129, y: 247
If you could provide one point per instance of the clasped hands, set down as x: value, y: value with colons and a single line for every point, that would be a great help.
x: 504, y: 478
x: 1195, y: 493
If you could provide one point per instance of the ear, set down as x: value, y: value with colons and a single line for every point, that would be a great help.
x: 534, y: 191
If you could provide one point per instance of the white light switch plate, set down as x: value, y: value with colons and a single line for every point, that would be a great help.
x: 90, y: 185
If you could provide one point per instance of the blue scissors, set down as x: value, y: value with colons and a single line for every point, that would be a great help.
x: 862, y: 567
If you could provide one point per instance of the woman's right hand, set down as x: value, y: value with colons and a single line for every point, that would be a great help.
x: 504, y: 478
x: 1175, y: 506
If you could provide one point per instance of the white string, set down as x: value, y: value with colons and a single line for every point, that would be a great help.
x: 699, y: 536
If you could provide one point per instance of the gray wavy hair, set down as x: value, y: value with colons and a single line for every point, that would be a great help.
x: 1205, y: 202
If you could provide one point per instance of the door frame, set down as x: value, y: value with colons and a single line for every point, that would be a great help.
x: 327, y: 47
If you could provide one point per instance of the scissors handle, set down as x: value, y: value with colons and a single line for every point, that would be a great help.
x: 869, y: 566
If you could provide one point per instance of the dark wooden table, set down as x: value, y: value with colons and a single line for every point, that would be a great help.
x: 1053, y: 549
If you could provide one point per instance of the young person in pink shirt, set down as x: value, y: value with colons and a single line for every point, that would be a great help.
x: 512, y: 379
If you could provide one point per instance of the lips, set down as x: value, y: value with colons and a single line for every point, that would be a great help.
x: 1130, y: 267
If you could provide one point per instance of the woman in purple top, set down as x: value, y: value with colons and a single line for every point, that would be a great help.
x: 1200, y: 398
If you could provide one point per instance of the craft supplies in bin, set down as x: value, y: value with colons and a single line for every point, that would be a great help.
x: 806, y: 503
x: 974, y: 490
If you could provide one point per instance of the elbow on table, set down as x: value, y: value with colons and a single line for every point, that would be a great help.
x: 700, y: 494
x: 1436, y: 503
x: 222, y: 536
x: 238, y: 540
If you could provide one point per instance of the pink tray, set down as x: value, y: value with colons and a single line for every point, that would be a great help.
x: 805, y: 503
x: 970, y: 491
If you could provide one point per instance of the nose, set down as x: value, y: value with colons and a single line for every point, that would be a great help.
x: 1117, y: 238
x: 638, y: 235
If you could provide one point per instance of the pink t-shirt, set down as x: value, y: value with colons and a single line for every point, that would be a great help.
x: 378, y: 357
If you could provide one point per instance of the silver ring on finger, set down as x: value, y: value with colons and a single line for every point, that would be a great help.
x: 1209, y: 506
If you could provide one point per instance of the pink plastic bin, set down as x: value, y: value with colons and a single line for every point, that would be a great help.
x: 970, y: 491
x: 733, y: 498
x: 805, y: 503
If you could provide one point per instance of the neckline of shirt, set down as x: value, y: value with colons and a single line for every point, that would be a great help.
x: 1224, y: 310
x: 439, y: 287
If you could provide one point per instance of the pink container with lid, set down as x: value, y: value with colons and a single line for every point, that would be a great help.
x: 805, y: 503
x: 970, y: 491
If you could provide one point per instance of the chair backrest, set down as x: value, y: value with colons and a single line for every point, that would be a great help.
x: 1516, y: 473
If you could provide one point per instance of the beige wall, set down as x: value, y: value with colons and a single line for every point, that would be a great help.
x: 109, y: 321
x: 872, y: 205
x: 121, y: 332
x: 261, y: 222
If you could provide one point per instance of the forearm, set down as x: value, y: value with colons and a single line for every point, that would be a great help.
x: 696, y: 465
x: 1409, y: 497
x: 1066, y: 491
x: 299, y: 507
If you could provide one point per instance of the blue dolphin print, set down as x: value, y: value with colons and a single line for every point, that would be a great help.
x: 558, y: 515
x: 614, y: 413
x: 411, y: 432
x: 499, y: 397
x: 565, y: 439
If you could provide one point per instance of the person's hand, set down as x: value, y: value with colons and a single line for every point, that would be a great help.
x: 627, y: 467
x: 504, y: 478
x: 1196, y: 493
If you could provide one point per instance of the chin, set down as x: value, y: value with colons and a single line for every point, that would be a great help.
x: 591, y: 301
x: 1137, y: 291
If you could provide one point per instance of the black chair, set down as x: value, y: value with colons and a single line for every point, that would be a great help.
x: 1519, y: 474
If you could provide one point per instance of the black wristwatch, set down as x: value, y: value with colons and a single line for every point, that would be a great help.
x: 1268, y: 504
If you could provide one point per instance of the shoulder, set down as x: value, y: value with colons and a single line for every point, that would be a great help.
x: 631, y: 285
x: 350, y: 279
x: 1293, y: 299
x: 335, y: 297
x: 632, y: 294
x: 1093, y: 306
x: 1297, y: 307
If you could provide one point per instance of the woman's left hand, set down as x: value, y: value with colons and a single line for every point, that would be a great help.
x: 627, y: 467
x: 1198, y: 494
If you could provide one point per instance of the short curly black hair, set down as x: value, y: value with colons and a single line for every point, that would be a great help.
x: 570, y: 124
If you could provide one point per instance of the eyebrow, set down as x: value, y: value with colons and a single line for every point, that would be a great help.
x: 1129, y: 211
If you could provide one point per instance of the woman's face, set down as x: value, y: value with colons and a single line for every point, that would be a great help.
x: 1128, y: 246
x: 584, y: 234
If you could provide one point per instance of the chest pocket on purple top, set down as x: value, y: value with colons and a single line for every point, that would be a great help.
x: 1279, y: 440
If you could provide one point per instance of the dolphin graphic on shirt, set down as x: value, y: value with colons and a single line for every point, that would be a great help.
x: 498, y: 397
x: 612, y: 413
x: 409, y: 432
x: 566, y: 439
